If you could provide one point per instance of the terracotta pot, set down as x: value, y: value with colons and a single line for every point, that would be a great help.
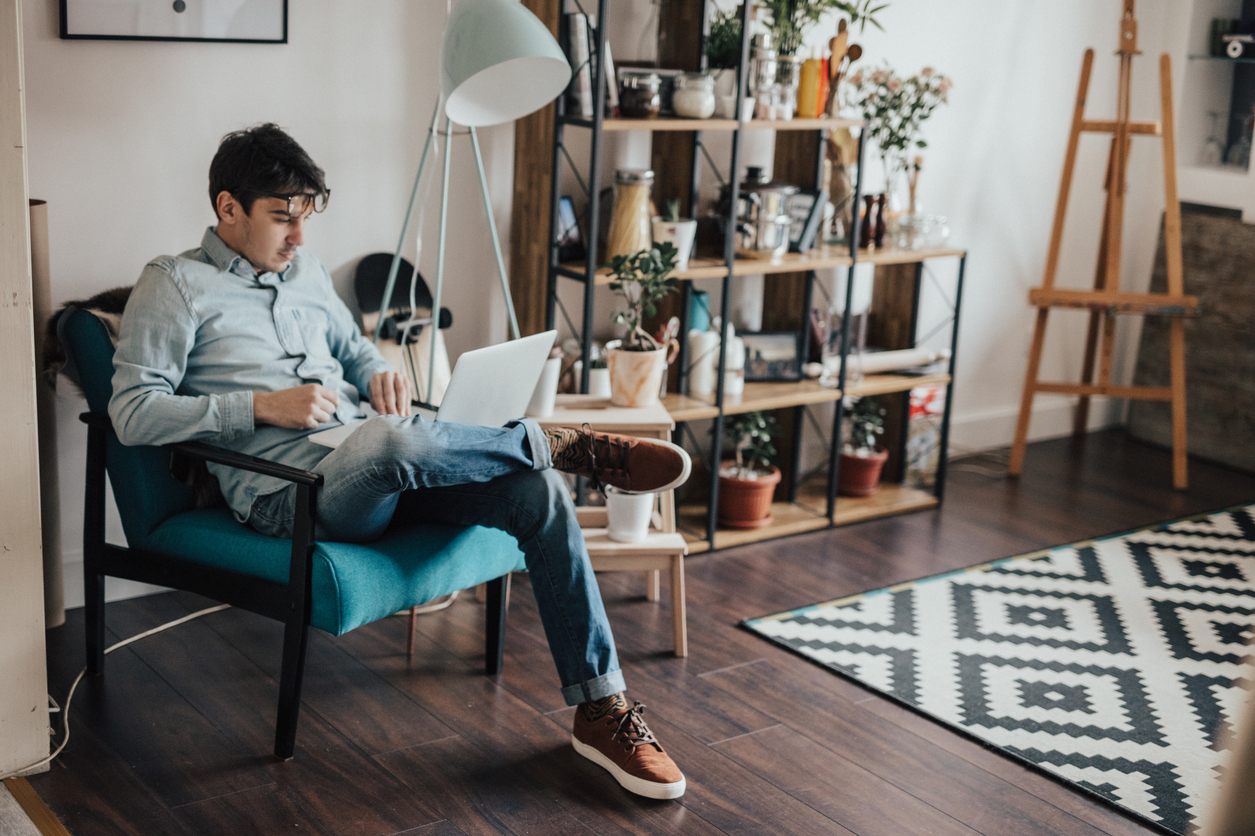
x: 635, y: 376
x: 860, y: 475
x: 746, y: 503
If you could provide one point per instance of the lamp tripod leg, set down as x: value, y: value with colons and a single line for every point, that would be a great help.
x: 440, y: 248
x: 496, y: 241
x: 405, y: 227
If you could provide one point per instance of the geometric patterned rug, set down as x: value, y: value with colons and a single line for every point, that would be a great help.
x: 1116, y: 665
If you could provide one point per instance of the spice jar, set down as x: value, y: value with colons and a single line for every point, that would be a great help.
x: 640, y: 96
x: 694, y: 96
x: 630, y: 227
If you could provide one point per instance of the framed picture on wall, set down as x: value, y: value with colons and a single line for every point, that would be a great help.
x: 234, y: 21
x: 772, y: 355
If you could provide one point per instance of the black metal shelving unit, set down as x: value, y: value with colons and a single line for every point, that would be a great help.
x: 589, y: 180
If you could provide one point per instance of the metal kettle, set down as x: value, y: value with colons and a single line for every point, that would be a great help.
x: 762, y: 218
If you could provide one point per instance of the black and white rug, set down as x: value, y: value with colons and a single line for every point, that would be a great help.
x: 1116, y: 665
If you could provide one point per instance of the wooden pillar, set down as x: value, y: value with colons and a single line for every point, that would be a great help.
x: 529, y: 216
x: 24, y: 686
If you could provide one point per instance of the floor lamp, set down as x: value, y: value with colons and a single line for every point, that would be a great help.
x: 498, y: 63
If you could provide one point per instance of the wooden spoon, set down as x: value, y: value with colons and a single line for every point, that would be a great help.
x: 837, y: 47
x: 854, y: 53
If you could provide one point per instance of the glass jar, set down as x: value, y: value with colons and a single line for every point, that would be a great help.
x: 630, y: 221
x: 694, y: 96
x: 762, y: 69
x: 788, y: 76
x: 640, y: 96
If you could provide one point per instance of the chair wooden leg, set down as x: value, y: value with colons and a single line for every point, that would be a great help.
x: 409, y: 638
x: 498, y: 603
x: 295, y: 640
x: 94, y: 616
x: 678, y: 609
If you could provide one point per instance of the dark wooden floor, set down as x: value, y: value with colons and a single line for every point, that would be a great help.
x: 175, y: 738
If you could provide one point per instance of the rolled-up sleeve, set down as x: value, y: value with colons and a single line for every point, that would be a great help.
x: 157, y: 334
x: 357, y: 355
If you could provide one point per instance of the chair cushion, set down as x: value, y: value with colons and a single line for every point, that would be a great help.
x: 352, y: 584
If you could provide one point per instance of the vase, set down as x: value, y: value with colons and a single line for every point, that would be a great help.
x: 635, y: 376
x: 679, y: 233
x: 746, y: 503
x: 628, y: 515
x: 860, y: 475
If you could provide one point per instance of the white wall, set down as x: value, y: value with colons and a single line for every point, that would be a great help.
x: 993, y: 165
x: 121, y: 135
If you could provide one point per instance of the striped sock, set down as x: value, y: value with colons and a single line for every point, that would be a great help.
x: 604, y: 707
x: 566, y: 448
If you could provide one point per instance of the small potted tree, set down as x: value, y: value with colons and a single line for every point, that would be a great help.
x: 748, y: 480
x: 861, y: 459
x: 642, y: 279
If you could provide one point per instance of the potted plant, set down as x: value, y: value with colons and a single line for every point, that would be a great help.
x: 748, y: 480
x: 894, y: 110
x: 642, y: 279
x: 723, y: 56
x: 790, y: 20
x: 861, y: 459
x: 677, y: 231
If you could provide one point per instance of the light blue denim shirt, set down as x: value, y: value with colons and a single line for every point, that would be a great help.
x: 203, y: 331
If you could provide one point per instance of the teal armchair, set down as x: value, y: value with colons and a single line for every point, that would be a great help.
x: 302, y: 582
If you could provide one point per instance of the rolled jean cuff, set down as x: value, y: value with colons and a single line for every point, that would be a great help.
x: 542, y: 459
x: 595, y: 689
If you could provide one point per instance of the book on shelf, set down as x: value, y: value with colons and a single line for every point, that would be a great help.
x: 581, y: 52
x: 580, y: 91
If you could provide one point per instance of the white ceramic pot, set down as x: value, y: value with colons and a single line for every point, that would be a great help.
x: 599, y: 382
x: 628, y: 515
x: 680, y: 234
x: 635, y: 376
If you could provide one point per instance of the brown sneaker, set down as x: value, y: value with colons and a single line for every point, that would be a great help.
x: 624, y: 746
x: 632, y: 465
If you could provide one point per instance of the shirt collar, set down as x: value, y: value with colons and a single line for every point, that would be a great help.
x: 228, y: 260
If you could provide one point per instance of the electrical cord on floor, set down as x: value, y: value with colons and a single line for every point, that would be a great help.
x: 65, y: 712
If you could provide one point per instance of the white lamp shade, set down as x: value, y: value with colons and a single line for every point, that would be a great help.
x: 498, y: 63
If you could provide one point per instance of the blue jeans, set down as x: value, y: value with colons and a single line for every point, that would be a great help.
x: 402, y: 471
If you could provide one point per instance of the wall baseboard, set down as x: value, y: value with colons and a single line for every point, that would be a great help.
x: 1052, y: 418
x: 116, y: 589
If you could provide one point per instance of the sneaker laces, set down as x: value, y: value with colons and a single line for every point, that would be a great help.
x: 633, y: 729
x: 615, y: 458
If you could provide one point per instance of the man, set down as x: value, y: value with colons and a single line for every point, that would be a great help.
x: 243, y: 342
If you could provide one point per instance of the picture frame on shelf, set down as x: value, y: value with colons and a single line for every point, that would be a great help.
x: 569, y: 238
x: 806, y: 208
x: 259, y: 22
x: 772, y: 356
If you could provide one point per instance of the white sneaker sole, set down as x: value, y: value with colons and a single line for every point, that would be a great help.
x: 677, y: 481
x: 649, y: 789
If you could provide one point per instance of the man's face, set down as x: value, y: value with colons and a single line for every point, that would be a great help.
x: 266, y: 235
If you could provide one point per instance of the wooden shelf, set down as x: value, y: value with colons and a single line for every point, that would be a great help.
x: 820, y: 258
x: 807, y: 514
x: 685, y: 408
x: 778, y: 396
x: 682, y: 124
x: 763, y: 396
x: 884, y: 384
x: 889, y: 500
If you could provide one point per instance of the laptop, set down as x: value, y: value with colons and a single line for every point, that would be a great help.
x: 489, y: 388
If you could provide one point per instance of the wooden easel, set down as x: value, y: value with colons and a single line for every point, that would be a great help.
x: 1106, y: 300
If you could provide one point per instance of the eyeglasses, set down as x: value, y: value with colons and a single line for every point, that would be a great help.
x: 301, y: 203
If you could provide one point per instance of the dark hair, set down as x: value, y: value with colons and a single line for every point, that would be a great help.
x: 262, y: 160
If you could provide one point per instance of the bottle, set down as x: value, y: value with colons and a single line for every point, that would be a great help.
x: 808, y: 88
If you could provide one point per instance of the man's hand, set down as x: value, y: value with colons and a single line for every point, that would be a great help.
x: 302, y: 408
x: 390, y: 393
